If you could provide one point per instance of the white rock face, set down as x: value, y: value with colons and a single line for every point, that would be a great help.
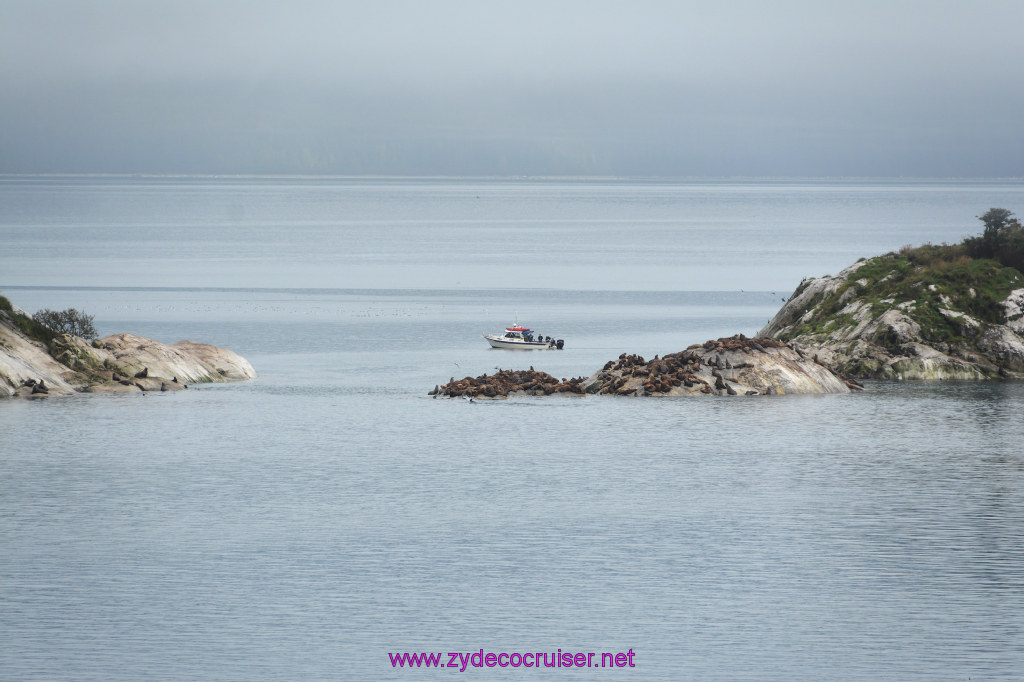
x: 1004, y: 344
x: 23, y: 360
x: 801, y: 305
x: 1014, y: 307
x: 189, y: 361
x: 893, y: 322
x: 78, y: 366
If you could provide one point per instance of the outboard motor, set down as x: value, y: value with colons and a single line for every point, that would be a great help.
x: 559, y: 343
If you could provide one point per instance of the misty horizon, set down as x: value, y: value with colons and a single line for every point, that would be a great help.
x: 787, y: 89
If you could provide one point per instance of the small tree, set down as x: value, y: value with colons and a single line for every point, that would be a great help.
x: 68, y: 321
x: 1002, y: 239
x: 996, y: 221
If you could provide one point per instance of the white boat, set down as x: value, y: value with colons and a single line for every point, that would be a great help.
x: 518, y: 337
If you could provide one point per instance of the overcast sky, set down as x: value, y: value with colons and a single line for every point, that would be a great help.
x: 766, y: 88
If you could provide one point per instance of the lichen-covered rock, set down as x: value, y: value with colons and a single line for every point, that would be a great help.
x: 1013, y: 307
x: 884, y: 318
x: 75, y: 353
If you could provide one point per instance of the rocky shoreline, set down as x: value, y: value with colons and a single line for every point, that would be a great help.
x: 116, y: 363
x: 730, y: 366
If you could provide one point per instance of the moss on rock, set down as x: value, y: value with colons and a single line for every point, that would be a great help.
x: 936, y: 297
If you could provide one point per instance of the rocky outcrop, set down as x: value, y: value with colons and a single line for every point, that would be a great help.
x: 727, y: 367
x: 188, y: 361
x: 25, y: 363
x: 508, y: 382
x: 120, y: 362
x: 890, y: 318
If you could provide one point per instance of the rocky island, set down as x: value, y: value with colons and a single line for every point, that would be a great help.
x: 36, y: 362
x: 728, y: 366
x: 930, y: 312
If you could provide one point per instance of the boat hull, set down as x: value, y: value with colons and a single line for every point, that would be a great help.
x: 517, y: 344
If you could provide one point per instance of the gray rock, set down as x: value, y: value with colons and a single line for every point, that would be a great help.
x: 102, y: 366
x: 872, y: 338
x: 767, y: 367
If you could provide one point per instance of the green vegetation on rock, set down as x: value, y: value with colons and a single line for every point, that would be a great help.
x: 932, y: 311
x: 1002, y: 239
x: 28, y: 326
x: 920, y: 282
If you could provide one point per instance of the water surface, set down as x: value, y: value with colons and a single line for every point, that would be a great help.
x: 305, y: 524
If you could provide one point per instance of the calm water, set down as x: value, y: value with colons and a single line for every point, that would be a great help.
x: 305, y: 524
